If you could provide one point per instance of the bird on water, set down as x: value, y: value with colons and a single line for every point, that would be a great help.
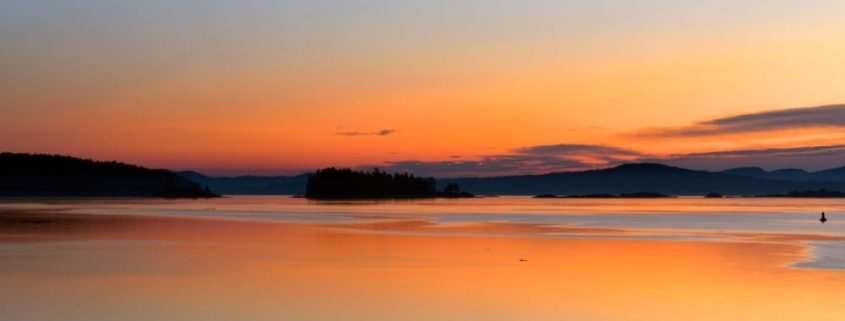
x: 823, y: 219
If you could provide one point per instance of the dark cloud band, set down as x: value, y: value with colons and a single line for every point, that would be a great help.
x: 526, y: 160
x: 805, y: 117
x: 565, y: 157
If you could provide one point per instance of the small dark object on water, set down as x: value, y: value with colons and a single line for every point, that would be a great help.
x: 523, y: 260
x: 823, y: 219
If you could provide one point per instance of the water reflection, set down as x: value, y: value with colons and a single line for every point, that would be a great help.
x: 410, y: 261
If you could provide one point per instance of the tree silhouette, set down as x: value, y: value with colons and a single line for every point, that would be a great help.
x: 54, y: 175
x: 334, y: 183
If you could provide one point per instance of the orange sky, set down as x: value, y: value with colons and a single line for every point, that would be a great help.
x: 272, y: 88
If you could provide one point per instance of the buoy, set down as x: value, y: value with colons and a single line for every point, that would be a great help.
x: 823, y: 219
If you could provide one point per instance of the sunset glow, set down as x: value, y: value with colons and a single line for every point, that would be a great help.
x: 285, y: 87
x: 437, y: 160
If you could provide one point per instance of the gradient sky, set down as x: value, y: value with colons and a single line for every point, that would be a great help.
x: 436, y: 87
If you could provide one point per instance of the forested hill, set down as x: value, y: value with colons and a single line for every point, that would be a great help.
x: 54, y: 175
x: 333, y: 183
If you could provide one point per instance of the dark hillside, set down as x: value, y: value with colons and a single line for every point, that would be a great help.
x: 53, y: 175
x: 333, y: 183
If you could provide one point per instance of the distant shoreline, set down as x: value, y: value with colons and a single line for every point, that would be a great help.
x: 603, y: 196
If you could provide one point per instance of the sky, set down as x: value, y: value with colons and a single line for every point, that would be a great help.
x: 443, y: 88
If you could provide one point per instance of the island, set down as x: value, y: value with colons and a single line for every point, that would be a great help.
x: 546, y: 196
x: 819, y: 193
x: 592, y: 196
x: 622, y: 195
x: 42, y: 175
x: 343, y: 184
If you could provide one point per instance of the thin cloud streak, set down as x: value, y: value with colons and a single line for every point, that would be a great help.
x: 805, y: 117
x: 563, y: 149
x: 806, y: 157
x: 540, y: 159
x: 526, y: 160
x: 380, y: 132
x: 572, y: 157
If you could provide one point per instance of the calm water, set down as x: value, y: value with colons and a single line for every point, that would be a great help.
x: 506, y: 258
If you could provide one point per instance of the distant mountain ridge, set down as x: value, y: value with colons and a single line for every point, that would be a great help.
x: 640, y: 177
x: 251, y: 185
x: 55, y: 175
x: 626, y: 178
x: 795, y: 174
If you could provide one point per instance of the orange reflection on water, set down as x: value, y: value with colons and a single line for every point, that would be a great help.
x: 132, y: 268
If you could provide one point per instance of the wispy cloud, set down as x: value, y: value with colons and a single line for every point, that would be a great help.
x: 805, y: 117
x: 380, y: 132
x: 564, y: 150
x: 539, y: 159
x: 526, y: 160
x: 805, y: 157
x: 774, y: 152
x: 569, y: 157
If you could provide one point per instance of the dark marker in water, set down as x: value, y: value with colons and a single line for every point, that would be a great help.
x: 823, y: 219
